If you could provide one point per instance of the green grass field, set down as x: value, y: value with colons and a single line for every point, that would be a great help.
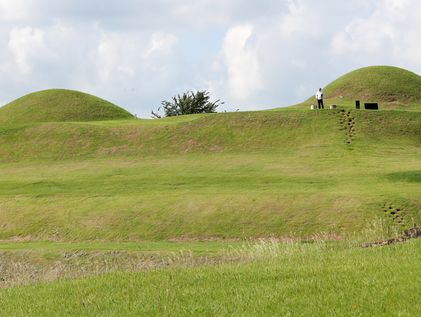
x: 170, y: 210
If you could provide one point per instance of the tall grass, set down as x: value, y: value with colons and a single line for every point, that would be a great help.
x: 262, y: 279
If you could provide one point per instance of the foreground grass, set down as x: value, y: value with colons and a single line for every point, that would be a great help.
x: 283, y: 279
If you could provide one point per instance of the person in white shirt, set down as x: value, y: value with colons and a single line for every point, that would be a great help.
x: 319, y: 97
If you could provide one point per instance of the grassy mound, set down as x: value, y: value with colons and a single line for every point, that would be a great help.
x: 377, y: 83
x: 391, y: 87
x: 56, y: 105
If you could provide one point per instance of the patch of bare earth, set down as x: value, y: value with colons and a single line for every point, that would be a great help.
x: 408, y: 234
x: 315, y: 237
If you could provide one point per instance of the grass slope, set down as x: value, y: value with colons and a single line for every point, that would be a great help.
x: 290, y: 173
x: 59, y: 105
x: 284, y: 280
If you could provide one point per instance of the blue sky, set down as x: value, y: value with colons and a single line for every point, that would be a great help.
x: 251, y: 54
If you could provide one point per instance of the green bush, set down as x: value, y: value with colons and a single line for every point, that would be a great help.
x: 188, y: 103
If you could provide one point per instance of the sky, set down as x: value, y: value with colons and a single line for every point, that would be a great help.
x: 252, y: 54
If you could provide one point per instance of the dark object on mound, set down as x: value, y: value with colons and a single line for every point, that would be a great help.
x: 357, y: 104
x: 371, y: 106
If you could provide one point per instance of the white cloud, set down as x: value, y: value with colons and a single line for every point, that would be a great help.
x: 300, y: 18
x: 242, y: 63
x: 124, y: 56
x: 160, y: 42
x: 14, y: 10
x: 117, y: 54
x: 23, y: 43
x: 390, y: 34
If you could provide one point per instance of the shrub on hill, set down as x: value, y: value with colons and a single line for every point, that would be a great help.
x: 188, y: 103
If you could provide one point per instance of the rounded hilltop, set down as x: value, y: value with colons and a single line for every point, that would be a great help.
x: 377, y: 83
x: 58, y: 105
x: 391, y: 87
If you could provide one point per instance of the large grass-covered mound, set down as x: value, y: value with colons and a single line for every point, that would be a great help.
x: 391, y: 87
x: 57, y: 105
x: 377, y: 83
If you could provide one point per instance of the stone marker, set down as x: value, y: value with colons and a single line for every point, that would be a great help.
x: 371, y: 106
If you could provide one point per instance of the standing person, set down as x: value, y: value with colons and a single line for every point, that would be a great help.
x: 319, y: 97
